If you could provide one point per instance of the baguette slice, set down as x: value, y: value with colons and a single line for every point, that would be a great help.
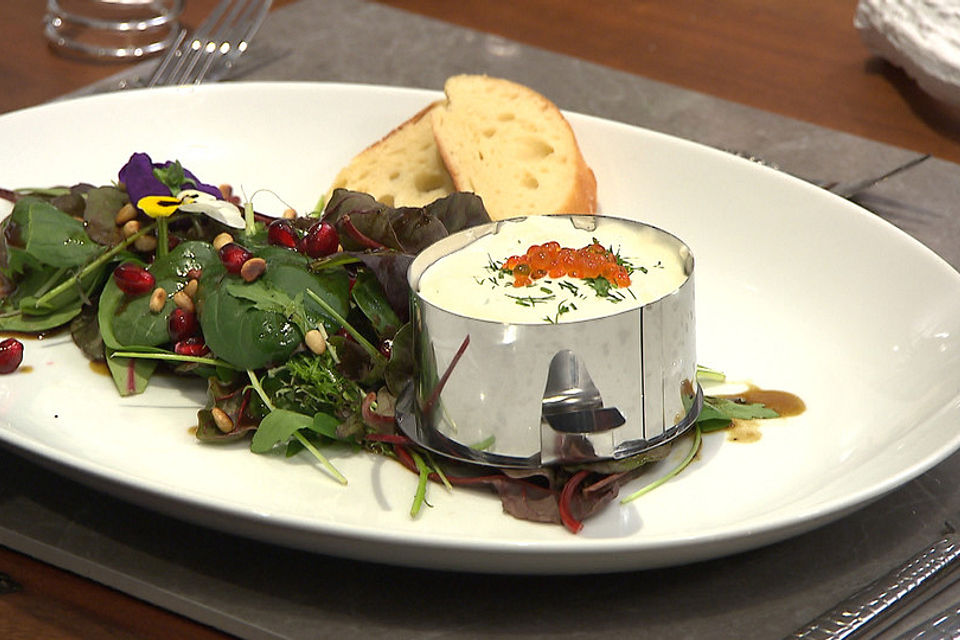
x: 402, y: 169
x: 512, y: 147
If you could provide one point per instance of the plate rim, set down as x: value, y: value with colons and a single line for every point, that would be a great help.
x: 75, y: 467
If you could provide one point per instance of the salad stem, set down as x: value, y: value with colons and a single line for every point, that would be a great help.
x: 707, y: 374
x: 319, y: 456
x: 697, y: 438
x: 49, y: 283
x: 420, y: 497
x: 255, y: 383
x: 163, y: 242
x: 249, y: 218
x: 363, y: 342
x: 439, y: 471
x: 100, y: 260
x: 173, y: 357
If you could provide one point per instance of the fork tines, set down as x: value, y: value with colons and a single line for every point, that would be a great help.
x: 215, y: 45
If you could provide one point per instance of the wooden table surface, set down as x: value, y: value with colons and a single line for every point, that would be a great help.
x: 799, y: 59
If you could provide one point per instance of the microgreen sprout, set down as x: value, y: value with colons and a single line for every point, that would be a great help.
x: 255, y: 385
x: 694, y: 448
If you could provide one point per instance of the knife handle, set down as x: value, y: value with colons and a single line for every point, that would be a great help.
x: 942, y: 626
x: 878, y: 599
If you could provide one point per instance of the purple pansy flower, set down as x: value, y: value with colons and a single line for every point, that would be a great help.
x: 138, y: 177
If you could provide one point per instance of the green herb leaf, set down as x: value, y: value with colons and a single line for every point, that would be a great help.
x: 718, y: 413
x: 401, y: 365
x: 26, y: 323
x: 44, y: 234
x: 326, y: 425
x: 280, y: 425
x: 130, y: 321
x: 312, y: 384
x: 259, y: 324
x: 277, y: 428
x: 172, y: 176
x: 369, y: 296
x: 130, y: 375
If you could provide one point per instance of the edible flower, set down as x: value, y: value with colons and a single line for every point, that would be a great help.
x: 160, y: 189
x: 143, y: 177
x: 193, y: 201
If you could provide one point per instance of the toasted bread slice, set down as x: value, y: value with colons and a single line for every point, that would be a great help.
x: 512, y: 147
x: 403, y: 169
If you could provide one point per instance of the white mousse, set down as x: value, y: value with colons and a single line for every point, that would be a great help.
x: 468, y: 283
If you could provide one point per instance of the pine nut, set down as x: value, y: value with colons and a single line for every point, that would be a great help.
x: 127, y: 213
x: 316, y: 341
x: 289, y: 214
x: 183, y: 301
x: 157, y: 299
x: 223, y: 421
x: 130, y: 227
x: 191, y: 288
x: 253, y: 269
x: 226, y: 190
x: 222, y: 239
x: 145, y: 243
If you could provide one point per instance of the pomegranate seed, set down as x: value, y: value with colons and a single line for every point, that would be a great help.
x: 282, y: 234
x: 193, y: 274
x: 386, y: 348
x: 11, y: 355
x: 183, y: 324
x: 193, y: 346
x: 133, y: 279
x: 233, y: 256
x: 321, y: 240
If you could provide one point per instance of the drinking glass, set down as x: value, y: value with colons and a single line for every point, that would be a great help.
x: 112, y: 29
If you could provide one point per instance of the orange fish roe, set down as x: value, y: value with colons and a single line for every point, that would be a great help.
x: 550, y: 259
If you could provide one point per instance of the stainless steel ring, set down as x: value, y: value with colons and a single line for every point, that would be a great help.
x: 533, y: 394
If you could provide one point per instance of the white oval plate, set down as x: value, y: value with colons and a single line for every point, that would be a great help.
x: 796, y: 289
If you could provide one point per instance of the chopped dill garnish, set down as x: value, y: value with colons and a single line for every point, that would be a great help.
x: 491, y: 280
x: 493, y: 265
x: 530, y: 301
x: 572, y: 288
x: 562, y: 308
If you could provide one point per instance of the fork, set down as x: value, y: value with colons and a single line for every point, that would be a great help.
x: 848, y: 190
x: 219, y: 40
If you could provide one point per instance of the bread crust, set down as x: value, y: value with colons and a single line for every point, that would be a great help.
x: 385, y: 170
x: 530, y: 161
x: 485, y: 131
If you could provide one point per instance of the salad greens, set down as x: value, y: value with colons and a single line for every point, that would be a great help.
x: 310, y: 349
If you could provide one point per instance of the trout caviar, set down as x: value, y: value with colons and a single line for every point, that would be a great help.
x: 550, y: 259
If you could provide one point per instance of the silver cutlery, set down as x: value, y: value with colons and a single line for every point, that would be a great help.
x: 944, y: 625
x: 850, y: 189
x: 843, y: 189
x: 891, y: 596
x: 214, y: 47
